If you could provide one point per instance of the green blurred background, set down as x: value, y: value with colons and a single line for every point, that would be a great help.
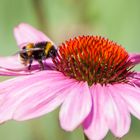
x: 118, y: 20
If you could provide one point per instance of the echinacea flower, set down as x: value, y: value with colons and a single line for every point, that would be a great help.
x: 92, y: 79
x: 24, y: 34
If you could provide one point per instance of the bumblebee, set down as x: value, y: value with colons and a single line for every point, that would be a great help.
x: 38, y: 52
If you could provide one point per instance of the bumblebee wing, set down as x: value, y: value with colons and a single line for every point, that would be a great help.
x: 28, y: 50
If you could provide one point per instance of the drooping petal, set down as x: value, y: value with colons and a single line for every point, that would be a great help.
x: 11, y: 66
x: 135, y: 75
x: 43, y: 99
x: 8, y: 72
x: 27, y: 97
x: 134, y: 58
x: 9, y: 95
x: 25, y: 33
x: 76, y: 107
x: 134, y: 79
x: 11, y: 62
x: 95, y: 126
x: 131, y: 95
x: 115, y: 112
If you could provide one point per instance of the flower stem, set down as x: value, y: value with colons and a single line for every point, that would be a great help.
x: 118, y: 138
x: 41, y: 14
x: 85, y: 137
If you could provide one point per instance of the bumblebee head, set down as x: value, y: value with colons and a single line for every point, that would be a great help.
x: 53, y: 52
x: 50, y: 50
x: 23, y: 54
x: 26, y: 52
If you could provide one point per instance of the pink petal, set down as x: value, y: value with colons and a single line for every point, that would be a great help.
x: 116, y: 112
x: 25, y: 33
x: 134, y: 58
x: 76, y: 107
x: 10, y: 97
x: 95, y: 126
x: 11, y: 62
x: 11, y: 66
x: 131, y: 96
x: 4, y: 72
x: 43, y: 99
x: 134, y: 78
x: 15, y: 92
x: 135, y: 75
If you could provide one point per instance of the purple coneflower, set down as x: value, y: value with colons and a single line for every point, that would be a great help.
x: 91, y: 78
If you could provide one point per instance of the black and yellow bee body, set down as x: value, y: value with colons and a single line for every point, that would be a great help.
x: 38, y: 52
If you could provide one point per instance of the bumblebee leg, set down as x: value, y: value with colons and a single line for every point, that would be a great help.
x: 30, y: 63
x: 41, y: 64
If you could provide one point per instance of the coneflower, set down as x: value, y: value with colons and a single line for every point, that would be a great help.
x: 91, y: 78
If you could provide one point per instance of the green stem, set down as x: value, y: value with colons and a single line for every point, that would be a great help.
x: 118, y: 138
x: 85, y: 137
x: 40, y: 13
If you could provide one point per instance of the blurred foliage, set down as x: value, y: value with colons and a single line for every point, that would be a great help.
x: 60, y: 20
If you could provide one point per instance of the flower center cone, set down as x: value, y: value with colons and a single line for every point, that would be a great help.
x: 93, y: 59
